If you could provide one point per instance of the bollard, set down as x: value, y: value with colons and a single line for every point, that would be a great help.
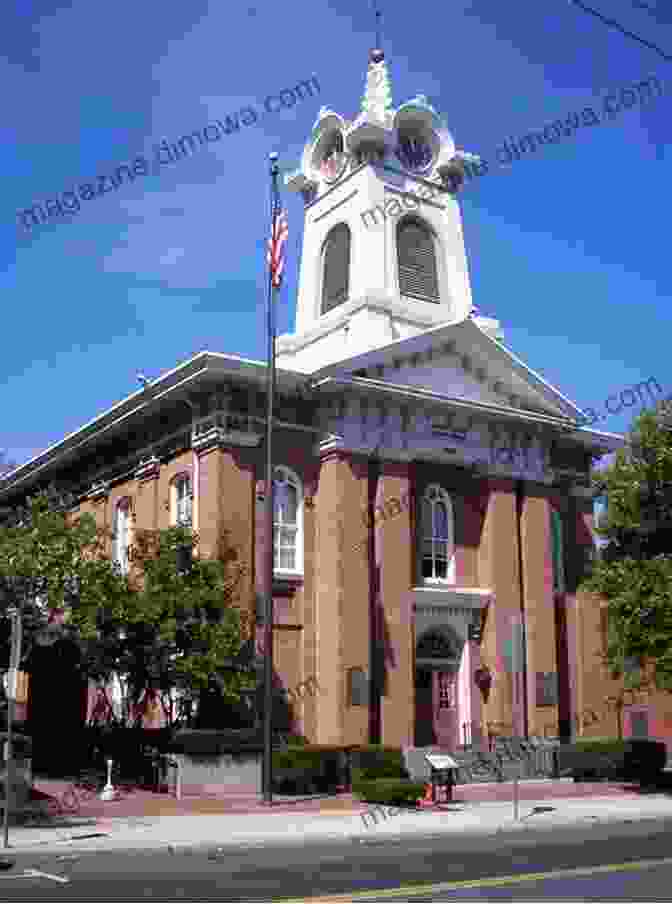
x: 109, y: 791
x: 515, y: 798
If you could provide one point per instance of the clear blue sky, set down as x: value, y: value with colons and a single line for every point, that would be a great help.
x: 569, y: 248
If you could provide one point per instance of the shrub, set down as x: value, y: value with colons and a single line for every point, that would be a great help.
x: 321, y: 766
x: 213, y: 742
x: 644, y: 759
x: 375, y: 761
x: 389, y: 791
x: 599, y: 745
x: 297, y: 758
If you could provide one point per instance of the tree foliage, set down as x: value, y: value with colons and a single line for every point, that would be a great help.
x: 634, y: 571
x: 50, y: 562
x: 161, y: 625
x: 177, y: 628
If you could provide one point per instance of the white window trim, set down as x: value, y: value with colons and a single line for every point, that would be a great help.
x: 451, y: 567
x: 441, y: 273
x: 125, y: 505
x: 322, y: 262
x: 298, y: 562
x: 183, y: 475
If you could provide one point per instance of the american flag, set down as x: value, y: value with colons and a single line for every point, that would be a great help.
x: 276, y: 247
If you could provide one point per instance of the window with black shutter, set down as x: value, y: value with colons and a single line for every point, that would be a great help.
x: 336, y: 264
x: 416, y: 256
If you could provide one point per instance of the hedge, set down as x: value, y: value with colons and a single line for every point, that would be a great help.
x: 389, y: 791
x: 375, y: 761
x: 644, y: 758
x: 215, y: 742
x: 599, y: 745
x: 639, y: 759
x: 298, y: 758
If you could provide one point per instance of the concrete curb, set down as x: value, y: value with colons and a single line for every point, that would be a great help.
x: 530, y: 823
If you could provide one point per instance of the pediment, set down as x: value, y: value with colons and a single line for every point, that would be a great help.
x: 461, y: 361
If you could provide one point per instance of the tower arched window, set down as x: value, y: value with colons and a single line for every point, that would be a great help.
x: 287, y: 522
x: 335, y: 267
x: 437, y: 536
x: 416, y: 258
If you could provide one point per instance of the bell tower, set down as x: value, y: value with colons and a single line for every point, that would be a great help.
x: 383, y: 253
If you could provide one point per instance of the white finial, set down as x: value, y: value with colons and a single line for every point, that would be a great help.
x: 377, y: 98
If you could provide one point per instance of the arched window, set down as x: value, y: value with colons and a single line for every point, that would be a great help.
x: 335, y: 267
x: 557, y: 550
x: 122, y: 531
x: 287, y: 522
x: 437, y: 536
x: 416, y: 256
x: 182, y: 500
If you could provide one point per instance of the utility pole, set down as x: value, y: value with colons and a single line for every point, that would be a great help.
x: 14, y: 661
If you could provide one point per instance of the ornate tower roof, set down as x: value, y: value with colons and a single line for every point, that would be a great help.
x: 362, y: 283
x: 377, y: 100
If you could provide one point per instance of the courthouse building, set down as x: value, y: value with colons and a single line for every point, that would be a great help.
x: 433, y: 514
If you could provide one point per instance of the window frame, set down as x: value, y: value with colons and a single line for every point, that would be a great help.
x: 125, y: 505
x: 450, y: 577
x: 412, y: 219
x: 175, y: 482
x: 290, y: 477
x: 557, y: 527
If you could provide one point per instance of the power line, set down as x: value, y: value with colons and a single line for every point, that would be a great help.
x: 624, y: 31
x: 650, y: 10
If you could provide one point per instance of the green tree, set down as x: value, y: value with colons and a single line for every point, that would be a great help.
x: 170, y: 622
x: 177, y: 625
x: 50, y: 561
x: 634, y: 570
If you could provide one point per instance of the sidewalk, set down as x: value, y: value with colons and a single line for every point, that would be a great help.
x: 476, y: 810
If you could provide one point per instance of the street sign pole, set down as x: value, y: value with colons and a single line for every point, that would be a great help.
x: 14, y: 661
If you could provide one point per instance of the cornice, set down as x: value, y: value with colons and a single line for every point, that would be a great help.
x: 148, y: 469
x: 291, y: 343
x: 203, y: 365
x: 99, y: 490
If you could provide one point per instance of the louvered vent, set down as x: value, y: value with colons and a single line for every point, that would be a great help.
x: 417, y: 262
x: 336, y: 267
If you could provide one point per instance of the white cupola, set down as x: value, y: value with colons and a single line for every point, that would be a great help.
x: 383, y: 253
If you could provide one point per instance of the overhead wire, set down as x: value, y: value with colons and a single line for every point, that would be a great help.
x: 612, y: 23
x: 646, y: 6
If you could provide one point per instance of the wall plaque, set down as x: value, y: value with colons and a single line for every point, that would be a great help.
x: 547, y: 689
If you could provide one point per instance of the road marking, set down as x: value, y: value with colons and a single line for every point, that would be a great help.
x: 36, y: 873
x: 422, y: 888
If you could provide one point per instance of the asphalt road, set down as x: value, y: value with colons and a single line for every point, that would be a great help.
x: 304, y: 873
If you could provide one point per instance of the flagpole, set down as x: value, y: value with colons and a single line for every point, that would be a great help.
x: 267, y: 772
